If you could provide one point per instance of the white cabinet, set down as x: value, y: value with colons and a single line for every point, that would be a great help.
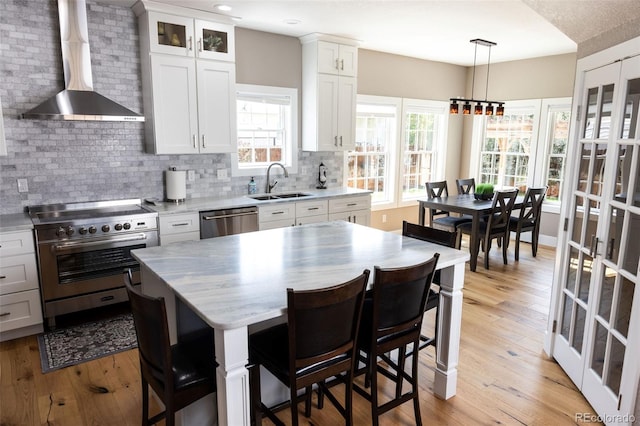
x: 20, y: 306
x: 329, y: 89
x: 312, y: 211
x: 354, y: 209
x: 276, y: 215
x: 179, y: 227
x: 188, y: 79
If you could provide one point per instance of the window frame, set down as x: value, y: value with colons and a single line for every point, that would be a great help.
x: 540, y: 147
x: 291, y: 153
x: 395, y: 176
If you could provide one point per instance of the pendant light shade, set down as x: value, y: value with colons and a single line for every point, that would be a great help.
x: 479, y: 108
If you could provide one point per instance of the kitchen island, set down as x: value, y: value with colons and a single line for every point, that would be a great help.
x: 239, y: 282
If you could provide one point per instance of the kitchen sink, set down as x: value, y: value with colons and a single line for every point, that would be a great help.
x: 279, y: 196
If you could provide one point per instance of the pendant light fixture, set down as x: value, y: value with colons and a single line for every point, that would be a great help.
x: 479, y: 107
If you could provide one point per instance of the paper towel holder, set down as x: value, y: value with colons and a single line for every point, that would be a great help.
x: 176, y: 185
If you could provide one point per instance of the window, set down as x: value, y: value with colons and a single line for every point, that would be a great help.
x: 525, y: 147
x: 399, y: 146
x: 267, y: 128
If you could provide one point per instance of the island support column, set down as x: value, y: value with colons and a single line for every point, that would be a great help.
x: 232, y: 355
x: 449, y: 323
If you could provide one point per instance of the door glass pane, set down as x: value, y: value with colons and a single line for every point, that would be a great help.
x: 599, y: 348
x: 573, y: 270
x: 585, y: 160
x: 172, y: 34
x: 623, y: 170
x: 615, y: 233
x: 632, y: 252
x: 585, y: 278
x: 578, y: 334
x: 566, y: 316
x: 616, y: 359
x: 577, y: 220
x: 590, y: 118
x: 606, y: 108
x: 631, y: 108
x: 598, y: 169
x: 625, y: 301
x: 606, y: 293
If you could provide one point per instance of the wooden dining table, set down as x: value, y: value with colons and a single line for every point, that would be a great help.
x: 237, y: 284
x: 465, y: 204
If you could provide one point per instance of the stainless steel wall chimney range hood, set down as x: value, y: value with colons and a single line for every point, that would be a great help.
x: 78, y: 101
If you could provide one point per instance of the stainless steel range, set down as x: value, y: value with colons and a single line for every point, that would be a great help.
x: 83, y: 249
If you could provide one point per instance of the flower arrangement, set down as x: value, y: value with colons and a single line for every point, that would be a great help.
x: 484, y: 191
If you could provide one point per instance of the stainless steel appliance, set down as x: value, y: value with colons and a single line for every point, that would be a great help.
x: 218, y: 223
x: 84, y: 247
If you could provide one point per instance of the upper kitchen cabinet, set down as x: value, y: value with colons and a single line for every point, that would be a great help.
x: 329, y: 89
x: 185, y: 36
x: 188, y: 81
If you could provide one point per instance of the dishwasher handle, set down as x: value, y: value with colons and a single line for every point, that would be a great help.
x: 224, y: 216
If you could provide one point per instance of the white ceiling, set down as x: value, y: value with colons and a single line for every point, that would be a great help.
x: 437, y: 30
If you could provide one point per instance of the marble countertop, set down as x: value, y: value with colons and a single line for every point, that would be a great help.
x: 15, y: 222
x: 242, y: 279
x: 213, y: 203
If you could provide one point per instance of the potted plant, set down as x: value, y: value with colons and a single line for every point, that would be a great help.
x: 484, y: 191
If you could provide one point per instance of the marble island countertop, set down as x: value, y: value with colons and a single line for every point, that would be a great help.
x: 216, y: 203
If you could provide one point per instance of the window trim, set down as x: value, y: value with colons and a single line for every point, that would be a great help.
x: 540, y: 142
x: 395, y: 158
x: 265, y: 91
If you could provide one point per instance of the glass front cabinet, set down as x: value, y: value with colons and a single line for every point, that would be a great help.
x: 595, y: 311
x: 184, y: 36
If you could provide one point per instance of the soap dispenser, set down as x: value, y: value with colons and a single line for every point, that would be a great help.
x: 253, y: 188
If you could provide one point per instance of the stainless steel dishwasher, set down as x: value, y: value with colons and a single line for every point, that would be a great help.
x: 218, y: 223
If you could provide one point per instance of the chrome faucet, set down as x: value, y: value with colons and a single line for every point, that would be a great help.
x: 270, y: 185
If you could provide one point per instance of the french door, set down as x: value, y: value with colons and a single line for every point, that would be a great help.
x: 597, y: 319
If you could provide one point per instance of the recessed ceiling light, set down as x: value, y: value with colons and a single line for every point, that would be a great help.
x: 223, y: 7
x: 292, y: 21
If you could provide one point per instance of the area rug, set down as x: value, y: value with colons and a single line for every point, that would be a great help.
x: 85, y: 342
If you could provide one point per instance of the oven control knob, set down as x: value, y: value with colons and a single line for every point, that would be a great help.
x: 92, y: 229
x: 70, y: 231
x: 126, y: 225
x: 105, y: 228
x: 82, y: 230
x: 61, y: 232
x: 118, y: 227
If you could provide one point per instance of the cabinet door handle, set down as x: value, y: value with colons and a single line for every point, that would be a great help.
x: 203, y: 145
x: 351, y: 204
x: 191, y: 43
x: 335, y: 140
x: 199, y: 45
x: 308, y: 209
x: 194, y: 142
x: 342, y: 65
x: 2, y: 277
x: 4, y: 314
x: 340, y: 140
x: 180, y: 224
x: 337, y: 62
x: 280, y: 212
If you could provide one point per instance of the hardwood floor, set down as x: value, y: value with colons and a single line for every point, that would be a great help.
x: 504, y: 376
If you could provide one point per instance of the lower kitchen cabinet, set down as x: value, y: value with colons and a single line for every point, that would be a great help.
x: 311, y: 211
x: 20, y: 305
x: 179, y: 227
x: 356, y: 209
x: 277, y: 215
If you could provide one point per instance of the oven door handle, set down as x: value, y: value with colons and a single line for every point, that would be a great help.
x: 64, y: 246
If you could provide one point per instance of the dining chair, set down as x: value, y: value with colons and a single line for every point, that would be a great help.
x: 179, y: 374
x: 436, y: 236
x: 529, y: 219
x: 317, y: 343
x: 441, y: 218
x: 496, y: 225
x: 392, y: 319
x: 466, y: 186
